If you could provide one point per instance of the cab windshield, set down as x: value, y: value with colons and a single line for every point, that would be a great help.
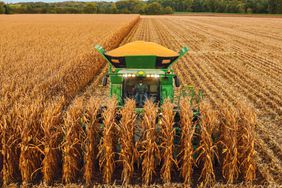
x: 141, y: 89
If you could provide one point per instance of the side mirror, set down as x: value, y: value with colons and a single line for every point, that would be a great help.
x: 176, y: 81
x: 104, y: 80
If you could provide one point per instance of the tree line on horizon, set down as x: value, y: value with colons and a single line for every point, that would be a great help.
x: 151, y: 7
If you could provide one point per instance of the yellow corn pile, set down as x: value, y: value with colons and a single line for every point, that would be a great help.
x: 142, y: 48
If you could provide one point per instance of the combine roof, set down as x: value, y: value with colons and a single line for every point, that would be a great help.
x: 141, y: 48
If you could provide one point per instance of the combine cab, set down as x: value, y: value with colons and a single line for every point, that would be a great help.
x: 141, y: 70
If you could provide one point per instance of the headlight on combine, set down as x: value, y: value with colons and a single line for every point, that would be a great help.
x: 153, y: 75
x: 128, y: 75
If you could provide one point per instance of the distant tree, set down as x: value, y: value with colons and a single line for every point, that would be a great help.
x: 220, y: 6
x: 211, y: 5
x: 153, y: 8
x: 139, y: 8
x: 114, y: 9
x: 261, y: 6
x: 198, y: 6
x: 130, y: 6
x: 146, y: 7
x: 279, y: 7
x: 177, y: 5
x: 104, y: 7
x: 2, y: 11
x: 90, y: 8
x: 7, y: 9
x: 187, y: 5
x: 167, y: 10
x: 275, y: 6
x: 272, y: 6
x: 233, y: 6
x: 124, y: 11
x: 108, y: 8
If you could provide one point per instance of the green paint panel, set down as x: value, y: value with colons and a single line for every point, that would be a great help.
x: 116, y: 87
x: 140, y: 62
x: 116, y: 79
x: 116, y: 91
x: 166, y: 92
x: 166, y: 88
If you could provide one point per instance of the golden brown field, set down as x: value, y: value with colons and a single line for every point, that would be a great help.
x: 50, y: 95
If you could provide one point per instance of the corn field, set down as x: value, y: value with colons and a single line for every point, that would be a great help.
x: 82, y: 145
x: 58, y: 126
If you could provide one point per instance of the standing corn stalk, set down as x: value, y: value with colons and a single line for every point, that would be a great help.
x: 167, y: 140
x: 207, y: 149
x: 246, y: 137
x: 92, y: 124
x: 74, y: 136
x: 10, y: 141
x: 187, y: 132
x: 1, y: 164
x: 106, y: 147
x: 127, y: 129
x: 229, y: 142
x: 150, y: 153
x: 52, y: 128
x: 3, y: 110
x: 31, y: 147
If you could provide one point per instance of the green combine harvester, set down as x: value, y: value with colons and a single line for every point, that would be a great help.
x: 141, y: 70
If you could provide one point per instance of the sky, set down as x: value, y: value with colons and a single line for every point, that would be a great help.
x: 48, y: 1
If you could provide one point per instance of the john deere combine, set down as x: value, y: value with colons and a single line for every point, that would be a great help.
x: 141, y: 70
x: 179, y: 138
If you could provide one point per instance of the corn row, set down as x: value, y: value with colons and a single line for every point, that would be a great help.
x: 150, y: 153
x: 52, y: 127
x: 236, y: 139
x: 187, y: 132
x: 247, y: 123
x: 167, y: 140
x: 10, y: 150
x: 106, y: 147
x: 31, y: 155
x: 74, y: 136
x: 91, y: 140
x: 229, y: 142
x: 207, y: 149
x: 127, y: 129
x: 2, y: 111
